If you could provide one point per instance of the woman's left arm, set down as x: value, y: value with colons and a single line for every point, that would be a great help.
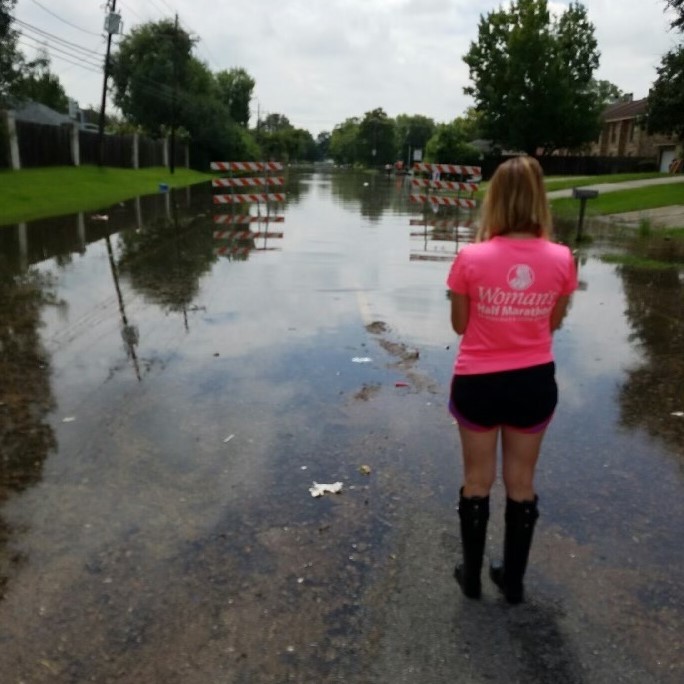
x: 460, y: 312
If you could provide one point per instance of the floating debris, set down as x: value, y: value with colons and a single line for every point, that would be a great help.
x: 69, y: 419
x: 677, y: 414
x: 362, y: 359
x: 320, y: 489
x: 227, y: 439
x: 365, y: 470
x: 401, y: 384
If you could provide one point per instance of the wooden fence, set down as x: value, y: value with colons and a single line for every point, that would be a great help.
x: 25, y: 144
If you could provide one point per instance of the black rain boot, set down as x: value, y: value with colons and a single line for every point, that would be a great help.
x: 521, y: 517
x: 474, y: 514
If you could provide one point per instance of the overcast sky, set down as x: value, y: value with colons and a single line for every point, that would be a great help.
x: 319, y: 62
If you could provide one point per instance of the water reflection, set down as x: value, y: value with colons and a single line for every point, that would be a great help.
x: 652, y: 395
x: 26, y: 399
x: 173, y: 517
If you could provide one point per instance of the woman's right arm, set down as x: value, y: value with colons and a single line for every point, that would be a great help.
x: 460, y: 312
x: 558, y: 312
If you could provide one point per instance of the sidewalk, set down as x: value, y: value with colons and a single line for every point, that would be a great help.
x: 625, y: 185
x: 662, y: 217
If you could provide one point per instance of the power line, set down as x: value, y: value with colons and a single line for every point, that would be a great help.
x: 59, y: 49
x: 80, y: 63
x: 92, y: 33
x: 45, y: 34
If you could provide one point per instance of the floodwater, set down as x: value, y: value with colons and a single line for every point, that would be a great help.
x: 168, y: 396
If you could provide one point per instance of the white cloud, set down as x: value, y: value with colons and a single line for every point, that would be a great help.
x: 319, y: 62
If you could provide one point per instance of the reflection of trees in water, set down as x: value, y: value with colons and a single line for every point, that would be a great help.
x: 165, y: 260
x: 373, y: 193
x: 653, y: 391
x: 25, y: 392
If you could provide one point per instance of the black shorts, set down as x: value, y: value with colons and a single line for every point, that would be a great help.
x: 524, y: 398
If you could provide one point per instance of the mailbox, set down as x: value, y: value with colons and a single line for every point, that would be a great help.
x: 584, y: 193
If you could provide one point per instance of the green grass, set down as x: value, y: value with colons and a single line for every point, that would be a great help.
x: 38, y: 193
x: 582, y: 181
x: 565, y: 182
x: 636, y: 199
x: 639, y: 262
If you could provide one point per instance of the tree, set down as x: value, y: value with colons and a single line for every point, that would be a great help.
x: 235, y: 88
x: 41, y: 85
x: 678, y: 7
x: 532, y: 77
x: 151, y: 74
x: 344, y: 141
x: 449, y: 145
x: 412, y: 133
x: 11, y: 59
x: 666, y: 97
x: 606, y: 92
x: 323, y: 145
x: 377, y: 138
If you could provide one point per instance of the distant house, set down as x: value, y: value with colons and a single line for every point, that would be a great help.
x: 35, y: 112
x: 624, y: 135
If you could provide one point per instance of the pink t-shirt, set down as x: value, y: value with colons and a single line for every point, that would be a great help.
x: 512, y: 285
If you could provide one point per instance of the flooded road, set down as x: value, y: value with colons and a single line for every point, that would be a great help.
x: 168, y: 396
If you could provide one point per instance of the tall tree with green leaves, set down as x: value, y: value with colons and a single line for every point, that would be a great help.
x: 450, y: 145
x: 152, y: 73
x: 606, y: 91
x: 11, y: 59
x: 665, y: 112
x: 377, y: 138
x: 235, y: 88
x: 678, y: 7
x: 344, y: 141
x: 39, y: 84
x: 413, y: 132
x: 532, y: 77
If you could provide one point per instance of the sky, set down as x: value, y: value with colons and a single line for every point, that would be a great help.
x: 319, y: 62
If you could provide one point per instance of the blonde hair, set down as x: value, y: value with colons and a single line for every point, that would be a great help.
x: 516, y: 201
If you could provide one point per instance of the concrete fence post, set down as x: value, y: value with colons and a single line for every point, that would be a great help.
x: 75, y: 145
x: 13, y: 140
x: 22, y: 235
x: 136, y: 150
x: 165, y: 152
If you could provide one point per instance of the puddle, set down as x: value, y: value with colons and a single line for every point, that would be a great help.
x: 137, y: 543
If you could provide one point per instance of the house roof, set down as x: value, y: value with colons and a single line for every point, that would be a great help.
x: 624, y: 110
x: 35, y: 112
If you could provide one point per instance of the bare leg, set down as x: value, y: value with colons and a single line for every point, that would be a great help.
x: 520, y: 455
x: 479, y: 460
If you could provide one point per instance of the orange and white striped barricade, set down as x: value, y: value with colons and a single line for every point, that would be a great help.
x: 457, y: 169
x: 444, y: 185
x: 237, y: 235
x: 247, y: 182
x: 440, y: 200
x: 238, y: 184
x: 245, y: 219
x: 273, y: 197
x: 249, y: 166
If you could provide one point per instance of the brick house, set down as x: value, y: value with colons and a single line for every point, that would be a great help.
x: 622, y: 134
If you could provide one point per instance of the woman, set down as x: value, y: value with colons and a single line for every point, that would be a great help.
x: 509, y: 292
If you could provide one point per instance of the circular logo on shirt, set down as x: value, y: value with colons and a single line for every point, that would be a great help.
x: 520, y: 277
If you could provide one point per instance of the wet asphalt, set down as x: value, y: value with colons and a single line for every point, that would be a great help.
x: 168, y: 396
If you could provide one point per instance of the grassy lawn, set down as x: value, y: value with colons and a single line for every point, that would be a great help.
x: 566, y: 182
x: 38, y: 193
x: 580, y: 181
x: 620, y: 201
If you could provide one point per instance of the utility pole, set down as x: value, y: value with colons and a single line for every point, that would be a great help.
x: 112, y: 25
x: 174, y: 57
